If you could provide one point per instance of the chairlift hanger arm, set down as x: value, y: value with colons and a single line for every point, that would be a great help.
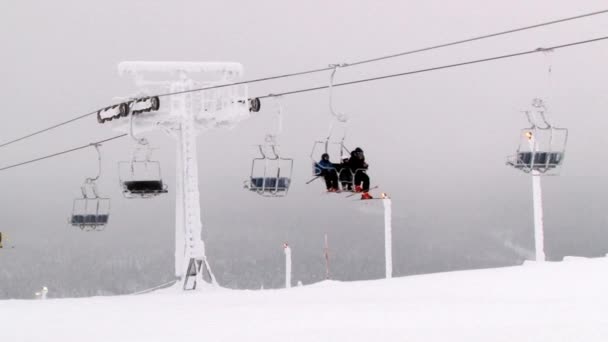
x: 98, y: 162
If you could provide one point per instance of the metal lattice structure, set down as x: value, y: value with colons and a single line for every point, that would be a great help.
x: 183, y: 116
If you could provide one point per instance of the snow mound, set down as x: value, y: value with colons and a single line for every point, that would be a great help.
x: 563, y: 301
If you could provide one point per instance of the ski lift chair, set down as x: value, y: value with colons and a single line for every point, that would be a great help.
x: 270, y: 175
x: 91, y: 212
x: 541, y: 148
x: 141, y: 178
x: 320, y: 147
x: 345, y: 175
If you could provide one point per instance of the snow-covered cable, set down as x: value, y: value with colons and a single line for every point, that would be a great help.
x: 447, y: 66
x: 458, y: 42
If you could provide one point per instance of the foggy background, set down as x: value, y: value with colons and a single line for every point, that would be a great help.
x: 436, y: 142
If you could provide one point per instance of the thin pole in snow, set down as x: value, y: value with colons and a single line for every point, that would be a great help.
x: 326, y: 250
x: 287, y: 265
x: 539, y: 243
x: 537, y: 199
x: 388, y: 235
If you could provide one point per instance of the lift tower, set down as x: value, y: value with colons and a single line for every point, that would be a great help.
x: 183, y: 111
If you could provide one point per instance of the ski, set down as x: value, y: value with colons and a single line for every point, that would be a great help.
x: 368, y: 199
x: 355, y: 193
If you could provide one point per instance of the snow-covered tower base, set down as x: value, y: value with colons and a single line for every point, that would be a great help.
x: 185, y: 110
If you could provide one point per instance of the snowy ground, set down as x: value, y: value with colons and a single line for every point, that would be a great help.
x: 566, y: 301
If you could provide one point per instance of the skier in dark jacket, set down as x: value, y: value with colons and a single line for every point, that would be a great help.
x: 358, y: 167
x: 327, y: 169
x: 345, y: 175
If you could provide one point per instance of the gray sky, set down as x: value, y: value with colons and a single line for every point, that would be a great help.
x: 435, y: 141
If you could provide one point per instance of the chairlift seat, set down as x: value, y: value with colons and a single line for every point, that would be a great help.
x: 269, y: 183
x: 144, y: 187
x: 538, y: 159
x: 89, y: 220
x: 77, y: 219
x: 90, y: 213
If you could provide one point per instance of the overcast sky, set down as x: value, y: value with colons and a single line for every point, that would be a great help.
x: 436, y: 141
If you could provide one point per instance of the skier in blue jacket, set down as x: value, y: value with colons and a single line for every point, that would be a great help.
x: 327, y: 169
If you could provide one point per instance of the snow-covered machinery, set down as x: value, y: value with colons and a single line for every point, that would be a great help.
x: 91, y: 212
x: 203, y: 95
x: 542, y: 146
x: 541, y: 152
x: 271, y: 172
x: 134, y: 107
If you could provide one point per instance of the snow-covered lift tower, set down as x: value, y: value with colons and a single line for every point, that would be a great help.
x: 183, y: 114
x: 540, y: 153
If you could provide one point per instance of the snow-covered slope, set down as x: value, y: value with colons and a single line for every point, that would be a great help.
x: 566, y: 301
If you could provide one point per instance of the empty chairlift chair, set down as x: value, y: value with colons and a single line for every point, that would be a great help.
x: 91, y: 212
x: 141, y: 179
x: 270, y: 174
x: 541, y: 146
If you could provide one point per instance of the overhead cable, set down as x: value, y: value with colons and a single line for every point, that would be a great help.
x: 63, y: 152
x: 448, y: 66
x: 419, y: 71
x: 458, y: 42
